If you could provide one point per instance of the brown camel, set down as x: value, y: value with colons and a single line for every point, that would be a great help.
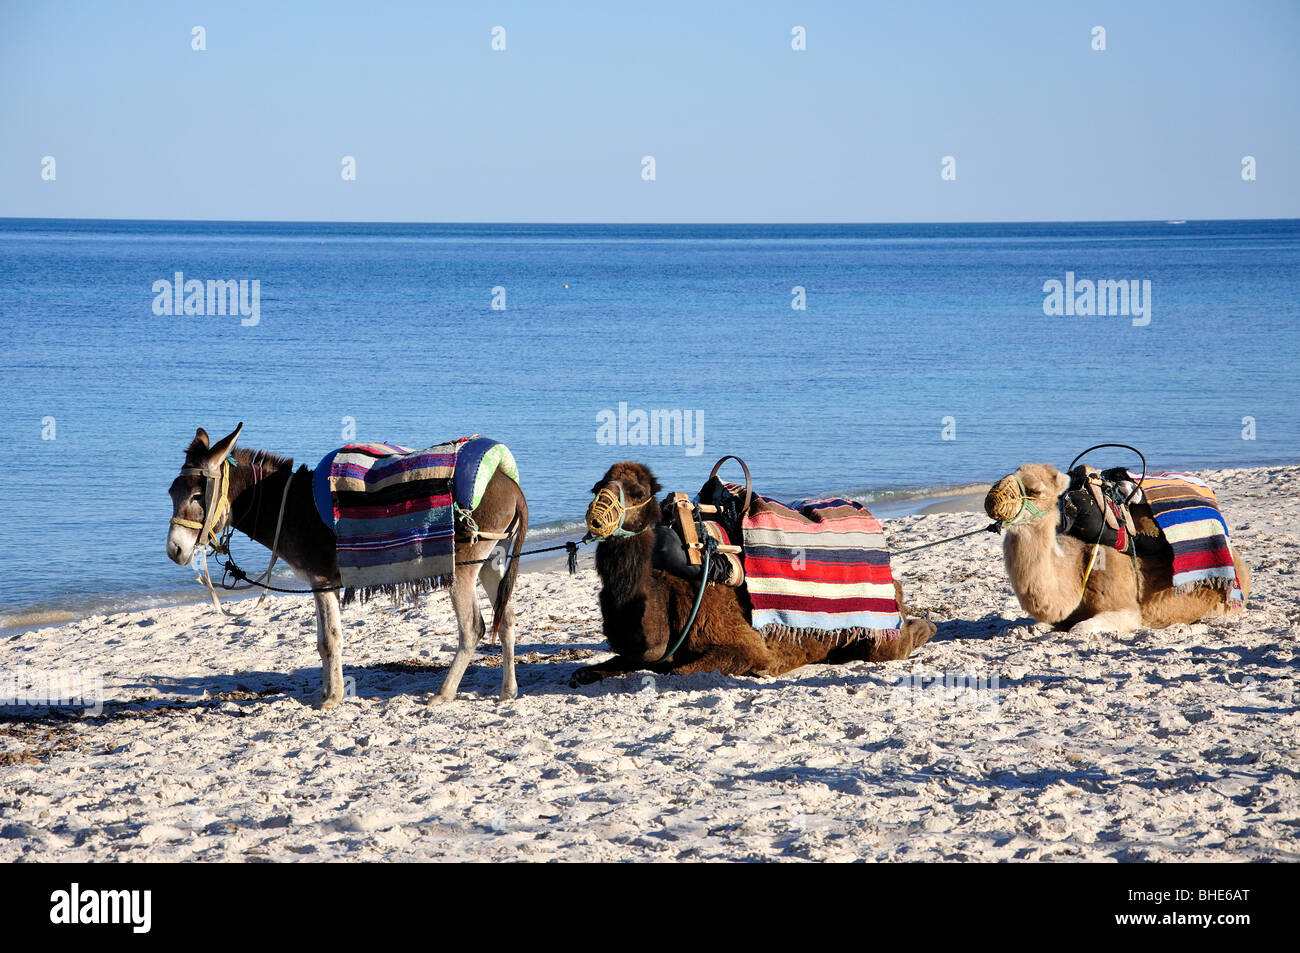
x: 1047, y: 568
x: 251, y: 502
x: 644, y: 609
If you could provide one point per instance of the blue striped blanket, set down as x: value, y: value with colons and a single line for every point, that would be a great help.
x: 393, y: 509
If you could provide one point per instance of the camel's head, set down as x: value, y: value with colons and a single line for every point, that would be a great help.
x: 1026, y: 495
x: 200, y: 496
x: 625, y: 501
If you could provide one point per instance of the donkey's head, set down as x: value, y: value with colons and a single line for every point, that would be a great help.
x: 200, y: 496
x: 624, y: 503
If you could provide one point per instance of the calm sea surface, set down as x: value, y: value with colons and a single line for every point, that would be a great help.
x: 909, y: 332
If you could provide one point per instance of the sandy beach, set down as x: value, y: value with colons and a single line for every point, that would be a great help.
x: 1000, y: 740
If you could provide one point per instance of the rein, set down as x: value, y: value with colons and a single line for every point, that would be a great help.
x: 709, y: 546
x: 994, y: 527
x: 238, y: 575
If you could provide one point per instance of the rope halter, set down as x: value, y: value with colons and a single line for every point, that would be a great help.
x: 607, y: 512
x: 1010, y: 503
x: 215, y: 488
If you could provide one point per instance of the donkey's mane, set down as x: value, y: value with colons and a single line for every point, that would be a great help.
x: 243, y: 455
x: 264, y: 457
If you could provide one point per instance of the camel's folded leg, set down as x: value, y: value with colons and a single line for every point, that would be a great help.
x: 788, y: 655
x: 914, y: 634
x: 1116, y: 620
x: 727, y: 660
x: 618, y: 665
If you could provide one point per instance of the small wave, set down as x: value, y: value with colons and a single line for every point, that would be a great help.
x: 86, y: 605
x: 556, y: 528
x: 30, y: 620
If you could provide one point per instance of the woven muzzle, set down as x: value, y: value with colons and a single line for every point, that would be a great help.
x: 607, y: 511
x: 1008, y: 500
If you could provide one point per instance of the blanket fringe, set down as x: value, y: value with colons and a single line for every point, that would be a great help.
x: 837, y: 638
x: 1225, y: 588
x: 399, y: 591
x: 1226, y: 585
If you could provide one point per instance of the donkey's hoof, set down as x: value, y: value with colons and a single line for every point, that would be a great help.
x: 437, y: 699
x: 508, y: 694
x: 329, y: 702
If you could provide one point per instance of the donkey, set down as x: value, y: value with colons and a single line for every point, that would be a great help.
x: 221, y: 486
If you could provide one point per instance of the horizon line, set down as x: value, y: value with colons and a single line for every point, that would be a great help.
x: 291, y: 221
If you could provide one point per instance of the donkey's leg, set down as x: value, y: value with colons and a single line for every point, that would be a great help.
x: 470, y: 628
x: 329, y: 636
x: 491, y: 579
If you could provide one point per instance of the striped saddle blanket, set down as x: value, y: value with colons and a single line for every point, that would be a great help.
x: 818, y: 567
x: 1187, y: 512
x: 393, y: 509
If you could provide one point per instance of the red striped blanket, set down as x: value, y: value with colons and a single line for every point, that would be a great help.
x: 1187, y: 512
x: 818, y: 567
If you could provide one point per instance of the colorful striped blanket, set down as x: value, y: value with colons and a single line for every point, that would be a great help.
x: 393, y: 509
x: 815, y: 567
x: 1187, y: 512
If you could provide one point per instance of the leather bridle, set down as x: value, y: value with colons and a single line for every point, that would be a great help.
x: 216, y: 504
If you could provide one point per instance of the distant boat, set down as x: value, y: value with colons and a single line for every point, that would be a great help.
x: 1181, y: 221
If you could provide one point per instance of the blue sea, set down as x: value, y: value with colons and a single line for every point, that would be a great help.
x: 922, y: 358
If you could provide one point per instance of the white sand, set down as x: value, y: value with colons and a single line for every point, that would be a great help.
x: 1157, y: 745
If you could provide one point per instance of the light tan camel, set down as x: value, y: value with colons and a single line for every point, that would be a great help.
x: 1047, y: 568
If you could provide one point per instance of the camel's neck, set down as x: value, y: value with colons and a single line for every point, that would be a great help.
x: 630, y: 604
x: 1045, y: 568
x: 624, y: 567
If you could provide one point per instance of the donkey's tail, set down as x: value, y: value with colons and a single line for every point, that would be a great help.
x: 512, y: 571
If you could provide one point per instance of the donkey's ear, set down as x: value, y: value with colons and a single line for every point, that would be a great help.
x: 224, y: 446
x: 200, y: 439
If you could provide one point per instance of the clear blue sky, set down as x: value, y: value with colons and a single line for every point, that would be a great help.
x: 742, y: 128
